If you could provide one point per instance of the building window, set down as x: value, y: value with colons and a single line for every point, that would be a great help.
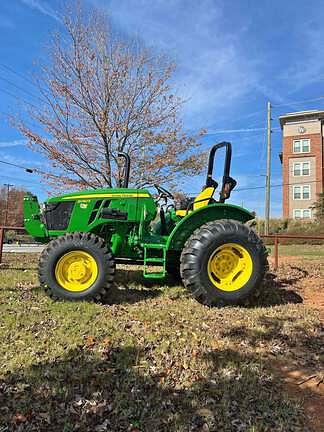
x: 297, y: 214
x: 301, y: 168
x: 306, y: 192
x: 307, y: 213
x: 305, y: 168
x: 301, y: 192
x: 297, y: 192
x: 302, y: 213
x: 301, y: 146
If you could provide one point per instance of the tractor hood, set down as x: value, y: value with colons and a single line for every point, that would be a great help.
x: 101, y: 194
x: 55, y: 214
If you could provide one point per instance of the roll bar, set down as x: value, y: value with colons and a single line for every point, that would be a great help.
x: 127, y: 168
x: 228, y: 183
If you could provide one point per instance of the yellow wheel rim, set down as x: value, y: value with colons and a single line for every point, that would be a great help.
x: 230, y: 267
x: 76, y: 271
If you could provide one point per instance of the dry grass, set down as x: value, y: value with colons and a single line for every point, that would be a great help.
x: 152, y: 359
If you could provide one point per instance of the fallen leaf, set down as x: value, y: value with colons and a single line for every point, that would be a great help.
x: 19, y: 418
x: 90, y: 342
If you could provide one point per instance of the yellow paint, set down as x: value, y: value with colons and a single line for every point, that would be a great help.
x: 203, y: 198
x: 230, y: 267
x: 76, y: 271
x: 130, y: 195
x: 181, y: 213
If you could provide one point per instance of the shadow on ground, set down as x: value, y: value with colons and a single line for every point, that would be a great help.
x: 277, y: 291
x: 274, y: 291
x: 108, y: 391
x: 131, y: 287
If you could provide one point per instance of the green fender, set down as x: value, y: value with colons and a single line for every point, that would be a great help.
x: 183, y: 230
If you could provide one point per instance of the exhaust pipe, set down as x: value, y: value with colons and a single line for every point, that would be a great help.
x: 126, y: 169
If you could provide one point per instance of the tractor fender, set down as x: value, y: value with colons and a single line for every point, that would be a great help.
x: 183, y: 230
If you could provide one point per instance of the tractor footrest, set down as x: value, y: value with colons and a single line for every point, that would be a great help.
x: 150, y: 258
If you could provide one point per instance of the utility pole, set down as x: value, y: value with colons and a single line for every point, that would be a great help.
x: 268, y: 175
x: 8, y: 185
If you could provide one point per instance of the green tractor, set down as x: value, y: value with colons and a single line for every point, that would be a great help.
x: 206, y: 243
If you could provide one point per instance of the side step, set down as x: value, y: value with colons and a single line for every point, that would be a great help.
x: 150, y: 258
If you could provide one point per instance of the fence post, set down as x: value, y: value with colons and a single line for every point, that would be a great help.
x: 276, y: 252
x: 1, y: 242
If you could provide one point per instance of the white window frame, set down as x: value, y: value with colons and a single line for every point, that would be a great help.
x: 295, y: 211
x: 294, y: 168
x: 301, y: 169
x: 301, y: 145
x: 301, y: 192
x: 309, y: 188
x: 294, y: 142
x: 301, y: 213
x: 308, y: 141
x: 310, y: 213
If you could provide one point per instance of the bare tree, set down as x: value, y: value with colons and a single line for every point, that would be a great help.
x: 103, y: 95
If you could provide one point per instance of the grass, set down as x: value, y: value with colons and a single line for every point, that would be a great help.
x: 300, y: 250
x: 151, y: 359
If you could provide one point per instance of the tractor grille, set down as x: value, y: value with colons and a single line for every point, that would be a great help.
x: 57, y: 215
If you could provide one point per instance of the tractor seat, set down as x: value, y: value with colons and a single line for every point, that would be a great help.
x: 201, y: 200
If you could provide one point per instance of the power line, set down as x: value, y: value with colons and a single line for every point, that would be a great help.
x: 18, y: 98
x: 243, y: 117
x: 22, y: 89
x: 19, y: 179
x: 276, y: 185
x: 9, y: 93
x: 250, y: 114
x: 29, y: 170
x: 10, y: 69
x: 299, y: 102
x: 263, y: 187
x: 217, y: 131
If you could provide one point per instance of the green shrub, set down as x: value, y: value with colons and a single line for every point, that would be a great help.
x: 292, y: 226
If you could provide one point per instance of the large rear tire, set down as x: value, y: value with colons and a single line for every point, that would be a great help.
x: 223, y: 262
x: 77, y: 266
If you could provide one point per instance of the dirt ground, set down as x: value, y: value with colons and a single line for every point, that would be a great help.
x: 300, y: 380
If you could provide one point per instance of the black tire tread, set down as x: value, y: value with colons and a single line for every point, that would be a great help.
x: 77, y: 238
x: 199, y: 239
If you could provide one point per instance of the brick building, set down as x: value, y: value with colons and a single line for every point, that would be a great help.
x: 302, y: 162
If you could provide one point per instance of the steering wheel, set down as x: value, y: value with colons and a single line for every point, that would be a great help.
x: 163, y: 192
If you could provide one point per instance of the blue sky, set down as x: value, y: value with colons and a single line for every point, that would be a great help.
x: 232, y: 56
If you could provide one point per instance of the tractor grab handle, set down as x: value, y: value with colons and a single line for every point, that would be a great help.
x: 228, y: 182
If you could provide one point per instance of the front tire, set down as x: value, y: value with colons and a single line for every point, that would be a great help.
x: 77, y: 266
x: 223, y: 262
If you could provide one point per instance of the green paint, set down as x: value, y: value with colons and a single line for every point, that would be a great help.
x: 32, y: 219
x: 132, y: 228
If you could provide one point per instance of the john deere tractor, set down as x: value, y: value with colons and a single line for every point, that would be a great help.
x: 206, y: 243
